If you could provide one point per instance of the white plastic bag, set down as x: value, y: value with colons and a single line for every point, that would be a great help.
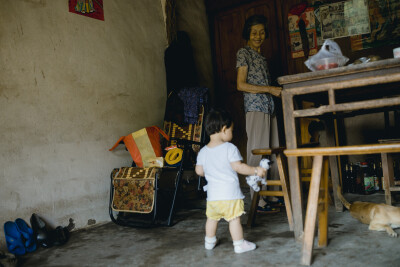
x: 329, y: 56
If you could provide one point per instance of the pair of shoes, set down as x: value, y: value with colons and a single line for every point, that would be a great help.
x: 48, y: 237
x: 267, y: 209
x: 244, y: 246
x: 19, y: 237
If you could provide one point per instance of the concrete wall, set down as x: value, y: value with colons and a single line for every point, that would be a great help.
x: 192, y: 18
x: 70, y: 86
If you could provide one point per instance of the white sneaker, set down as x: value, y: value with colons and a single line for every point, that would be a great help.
x: 210, y: 244
x: 244, y: 247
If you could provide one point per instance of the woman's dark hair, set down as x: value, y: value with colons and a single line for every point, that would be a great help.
x: 216, y: 119
x: 251, y: 21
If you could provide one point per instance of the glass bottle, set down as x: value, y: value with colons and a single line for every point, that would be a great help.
x: 346, y: 179
x: 359, y: 186
x: 380, y: 174
x: 377, y: 182
x: 353, y: 177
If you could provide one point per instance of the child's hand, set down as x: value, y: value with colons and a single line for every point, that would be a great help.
x: 261, y: 172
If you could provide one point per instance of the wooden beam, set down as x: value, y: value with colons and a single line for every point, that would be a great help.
x: 344, y: 150
x: 367, y: 104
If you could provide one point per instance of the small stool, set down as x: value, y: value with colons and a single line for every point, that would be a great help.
x: 282, y: 182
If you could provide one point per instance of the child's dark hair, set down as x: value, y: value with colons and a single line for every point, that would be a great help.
x: 251, y: 21
x: 216, y: 119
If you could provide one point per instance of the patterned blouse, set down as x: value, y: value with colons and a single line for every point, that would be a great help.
x: 257, y: 74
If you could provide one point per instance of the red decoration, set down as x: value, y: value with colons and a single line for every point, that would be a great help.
x: 88, y: 8
x: 299, y: 8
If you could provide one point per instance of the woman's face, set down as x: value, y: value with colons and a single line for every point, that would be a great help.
x: 257, y: 36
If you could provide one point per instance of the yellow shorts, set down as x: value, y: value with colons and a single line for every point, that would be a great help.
x: 227, y: 209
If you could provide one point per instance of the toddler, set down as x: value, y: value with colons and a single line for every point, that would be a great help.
x: 219, y: 162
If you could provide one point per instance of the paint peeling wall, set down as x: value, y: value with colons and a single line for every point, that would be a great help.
x: 70, y: 86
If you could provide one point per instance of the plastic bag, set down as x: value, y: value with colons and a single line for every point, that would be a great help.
x: 329, y: 56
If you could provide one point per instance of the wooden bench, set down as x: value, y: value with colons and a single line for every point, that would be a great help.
x: 318, y: 194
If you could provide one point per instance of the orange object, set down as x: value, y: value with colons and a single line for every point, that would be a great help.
x: 144, y: 146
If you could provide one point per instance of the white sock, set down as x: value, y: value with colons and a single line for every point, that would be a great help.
x: 210, y: 242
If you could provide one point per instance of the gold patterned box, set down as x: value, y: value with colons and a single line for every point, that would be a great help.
x: 134, y: 189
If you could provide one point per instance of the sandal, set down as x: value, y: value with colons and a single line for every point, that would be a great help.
x: 15, y: 245
x: 27, y: 234
x: 267, y: 209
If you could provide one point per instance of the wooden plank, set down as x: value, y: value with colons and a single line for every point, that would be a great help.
x: 293, y: 167
x: 274, y: 182
x: 271, y: 193
x: 311, y: 213
x: 323, y: 215
x: 330, y: 139
x: 331, y: 94
x: 253, y: 207
x: 388, y: 180
x: 282, y: 167
x: 359, y: 105
x: 346, y: 70
x: 344, y: 150
x: 267, y: 151
x: 351, y: 83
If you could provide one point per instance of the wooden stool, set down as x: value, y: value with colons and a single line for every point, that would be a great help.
x: 282, y: 182
x: 319, y: 188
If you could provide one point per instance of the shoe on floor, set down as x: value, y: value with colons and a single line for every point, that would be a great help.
x: 27, y: 233
x: 243, y: 246
x: 267, y: 209
x: 15, y: 245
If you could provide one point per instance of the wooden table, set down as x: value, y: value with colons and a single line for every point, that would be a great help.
x: 317, y: 205
x: 362, y: 88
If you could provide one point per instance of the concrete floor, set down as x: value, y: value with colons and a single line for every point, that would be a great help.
x: 350, y: 244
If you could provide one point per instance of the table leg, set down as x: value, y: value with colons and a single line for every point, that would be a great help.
x: 323, y: 207
x: 282, y: 167
x: 387, y: 169
x: 293, y: 167
x: 330, y: 140
x: 311, y: 213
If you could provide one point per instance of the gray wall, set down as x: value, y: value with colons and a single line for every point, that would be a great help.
x: 70, y: 86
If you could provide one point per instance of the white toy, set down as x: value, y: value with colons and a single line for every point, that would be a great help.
x: 253, y: 180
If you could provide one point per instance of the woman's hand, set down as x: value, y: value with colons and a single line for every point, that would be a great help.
x: 276, y: 91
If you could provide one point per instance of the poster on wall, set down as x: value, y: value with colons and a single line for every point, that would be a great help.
x: 294, y: 33
x: 89, y: 8
x: 343, y: 19
x: 384, y: 16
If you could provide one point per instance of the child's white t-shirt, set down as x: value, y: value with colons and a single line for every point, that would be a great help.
x: 222, y: 180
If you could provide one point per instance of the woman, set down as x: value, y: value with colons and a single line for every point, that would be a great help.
x: 253, y: 79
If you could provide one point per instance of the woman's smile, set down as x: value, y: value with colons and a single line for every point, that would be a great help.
x: 257, y: 36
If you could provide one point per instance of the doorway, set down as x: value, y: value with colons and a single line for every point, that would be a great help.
x: 228, y: 25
